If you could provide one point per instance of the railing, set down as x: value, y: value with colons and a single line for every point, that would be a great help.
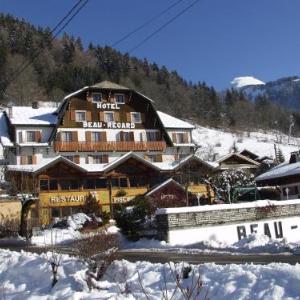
x: 109, y: 146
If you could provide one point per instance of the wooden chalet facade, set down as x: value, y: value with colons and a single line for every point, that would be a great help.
x: 101, y: 140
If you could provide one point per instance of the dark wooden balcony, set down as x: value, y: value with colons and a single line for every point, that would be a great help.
x: 109, y: 146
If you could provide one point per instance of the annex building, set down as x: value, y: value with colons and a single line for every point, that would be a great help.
x: 106, y: 140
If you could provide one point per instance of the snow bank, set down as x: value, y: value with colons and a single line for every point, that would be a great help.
x: 28, y: 276
x: 54, y: 236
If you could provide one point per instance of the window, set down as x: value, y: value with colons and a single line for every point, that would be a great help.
x: 151, y: 136
x: 20, y: 137
x: 123, y: 182
x: 180, y: 138
x: 69, y: 184
x: 80, y: 115
x: 30, y: 136
x: 108, y: 116
x: 66, y: 136
x: 126, y: 136
x: 97, y: 97
x: 120, y: 99
x: 53, y: 185
x: 101, y: 183
x: 95, y: 136
x: 89, y: 184
x: 29, y: 160
x: 44, y: 185
x: 136, y: 117
x: 97, y: 159
x: 55, y: 212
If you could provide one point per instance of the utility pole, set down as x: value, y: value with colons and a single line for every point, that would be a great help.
x: 292, y: 123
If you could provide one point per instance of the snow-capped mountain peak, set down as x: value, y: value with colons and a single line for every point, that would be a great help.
x: 240, y: 82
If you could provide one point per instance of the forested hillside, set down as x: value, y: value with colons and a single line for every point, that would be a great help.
x: 34, y: 66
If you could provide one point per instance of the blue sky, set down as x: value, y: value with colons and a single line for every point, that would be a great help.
x: 214, y: 42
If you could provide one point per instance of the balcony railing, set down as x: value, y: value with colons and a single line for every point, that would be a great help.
x: 109, y: 146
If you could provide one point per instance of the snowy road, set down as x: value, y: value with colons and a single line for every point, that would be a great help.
x: 158, y: 256
x: 198, y: 258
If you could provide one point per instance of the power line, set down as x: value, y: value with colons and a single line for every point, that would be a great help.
x: 25, y: 65
x: 163, y: 26
x: 145, y: 23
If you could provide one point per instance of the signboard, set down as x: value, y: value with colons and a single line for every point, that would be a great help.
x: 67, y: 198
x: 279, y: 228
x: 110, y: 125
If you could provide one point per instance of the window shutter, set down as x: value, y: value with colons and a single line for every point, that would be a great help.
x: 101, y: 116
x: 103, y: 136
x: 34, y: 159
x: 104, y: 158
x: 143, y: 118
x: 131, y: 136
x: 89, y: 116
x: 37, y: 136
x: 77, y: 159
x: 128, y: 117
x: 23, y: 160
x: 117, y: 116
x: 121, y: 136
x: 74, y: 136
x: 88, y: 136
x: 72, y: 115
x: 174, y: 137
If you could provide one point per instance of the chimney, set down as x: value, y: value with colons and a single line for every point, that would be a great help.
x: 35, y: 104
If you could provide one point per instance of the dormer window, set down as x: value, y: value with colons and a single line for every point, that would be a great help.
x: 120, y: 98
x: 97, y: 97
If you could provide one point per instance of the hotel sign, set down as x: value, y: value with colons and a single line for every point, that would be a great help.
x: 67, y: 199
x: 112, y: 125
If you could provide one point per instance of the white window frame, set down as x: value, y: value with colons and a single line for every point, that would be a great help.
x: 111, y: 113
x: 123, y: 102
x: 93, y: 134
x: 27, y: 133
x: 80, y: 111
x: 96, y: 101
x: 132, y: 117
x: 64, y: 134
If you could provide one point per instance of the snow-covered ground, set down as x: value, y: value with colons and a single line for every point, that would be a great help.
x: 216, y: 143
x: 28, y: 276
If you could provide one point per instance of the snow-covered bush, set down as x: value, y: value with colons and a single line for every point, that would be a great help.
x: 224, y: 182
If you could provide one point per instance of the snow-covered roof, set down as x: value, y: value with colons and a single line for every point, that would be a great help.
x: 283, y: 170
x: 46, y: 163
x: 238, y: 155
x: 172, y: 122
x: 163, y: 184
x: 26, y: 115
x: 106, y: 84
x: 4, y: 136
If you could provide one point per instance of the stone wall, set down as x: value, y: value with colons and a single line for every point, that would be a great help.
x: 184, y: 220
